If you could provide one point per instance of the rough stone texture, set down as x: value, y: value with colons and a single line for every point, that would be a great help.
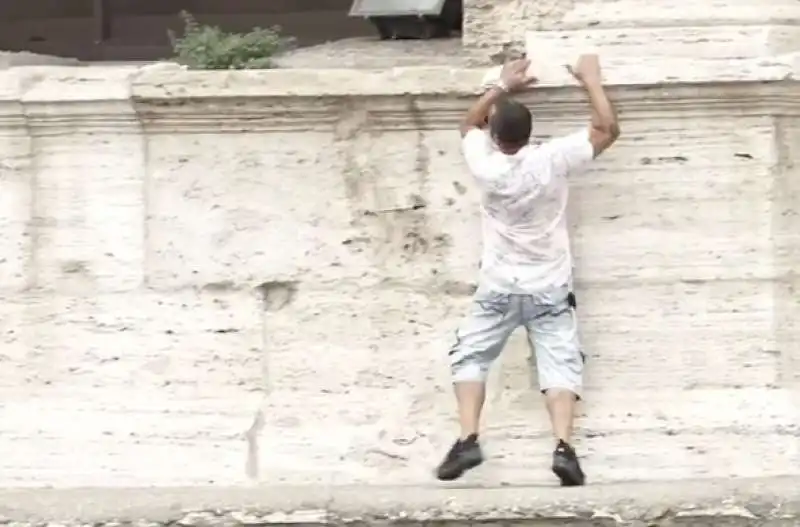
x: 722, y: 29
x: 369, y: 52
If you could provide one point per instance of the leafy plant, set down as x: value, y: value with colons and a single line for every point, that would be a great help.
x: 210, y: 48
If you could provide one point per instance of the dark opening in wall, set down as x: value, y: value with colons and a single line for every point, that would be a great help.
x: 137, y: 29
x: 411, y: 19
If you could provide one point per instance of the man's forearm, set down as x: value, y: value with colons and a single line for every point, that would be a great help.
x: 476, y: 115
x: 604, y: 116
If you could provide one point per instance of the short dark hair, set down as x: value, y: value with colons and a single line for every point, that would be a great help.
x: 511, y: 123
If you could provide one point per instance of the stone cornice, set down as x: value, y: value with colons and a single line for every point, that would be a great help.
x: 431, y: 112
x: 168, y: 99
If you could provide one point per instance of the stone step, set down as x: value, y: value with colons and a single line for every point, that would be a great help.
x: 691, y: 42
x: 665, y: 13
x: 743, y: 502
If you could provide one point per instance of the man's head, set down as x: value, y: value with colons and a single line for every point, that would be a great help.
x: 510, y: 124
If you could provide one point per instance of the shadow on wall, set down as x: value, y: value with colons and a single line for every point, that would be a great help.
x: 137, y: 29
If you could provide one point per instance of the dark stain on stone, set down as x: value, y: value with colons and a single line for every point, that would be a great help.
x: 417, y: 202
x: 614, y: 217
x: 277, y: 294
x: 415, y: 243
x: 743, y: 155
x: 672, y: 159
x: 666, y: 159
x: 456, y: 288
x: 461, y: 189
x: 422, y: 162
x: 357, y: 239
x: 442, y: 240
x: 75, y: 267
x: 693, y: 281
x: 223, y: 285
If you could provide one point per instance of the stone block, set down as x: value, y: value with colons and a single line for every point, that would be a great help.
x: 129, y: 389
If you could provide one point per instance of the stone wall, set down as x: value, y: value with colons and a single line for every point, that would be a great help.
x: 225, y: 277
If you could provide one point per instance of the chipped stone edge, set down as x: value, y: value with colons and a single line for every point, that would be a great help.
x: 752, y: 501
x: 176, y: 82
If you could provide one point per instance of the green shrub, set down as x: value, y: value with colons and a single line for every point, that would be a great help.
x: 210, y: 48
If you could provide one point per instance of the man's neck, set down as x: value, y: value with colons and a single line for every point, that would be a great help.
x: 509, y: 150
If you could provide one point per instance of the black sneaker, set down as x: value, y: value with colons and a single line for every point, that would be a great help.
x: 463, y: 455
x: 566, y: 466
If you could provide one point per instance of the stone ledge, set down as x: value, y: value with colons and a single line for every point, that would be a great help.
x: 728, y: 502
x: 165, y: 98
x: 33, y: 85
x: 176, y: 84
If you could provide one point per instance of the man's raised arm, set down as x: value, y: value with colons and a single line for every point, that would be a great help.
x: 604, y: 127
x: 513, y: 77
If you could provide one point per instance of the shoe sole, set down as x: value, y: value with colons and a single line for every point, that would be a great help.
x: 456, y: 475
x: 567, y: 477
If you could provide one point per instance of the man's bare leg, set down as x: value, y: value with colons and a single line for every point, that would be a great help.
x: 470, y: 397
x: 479, y: 340
x: 466, y: 452
x: 559, y: 358
x: 561, y: 405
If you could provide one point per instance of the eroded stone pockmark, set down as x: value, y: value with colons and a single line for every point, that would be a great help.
x: 276, y: 294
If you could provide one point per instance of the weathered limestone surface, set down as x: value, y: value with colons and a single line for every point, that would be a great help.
x: 723, y: 29
x: 232, y: 277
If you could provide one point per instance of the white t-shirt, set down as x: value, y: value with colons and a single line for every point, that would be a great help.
x: 523, y: 207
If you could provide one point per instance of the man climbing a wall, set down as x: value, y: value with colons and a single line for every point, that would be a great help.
x: 525, y: 274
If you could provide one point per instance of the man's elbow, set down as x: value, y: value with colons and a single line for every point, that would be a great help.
x: 602, y: 137
x: 609, y: 133
x: 614, y: 131
x: 609, y: 130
